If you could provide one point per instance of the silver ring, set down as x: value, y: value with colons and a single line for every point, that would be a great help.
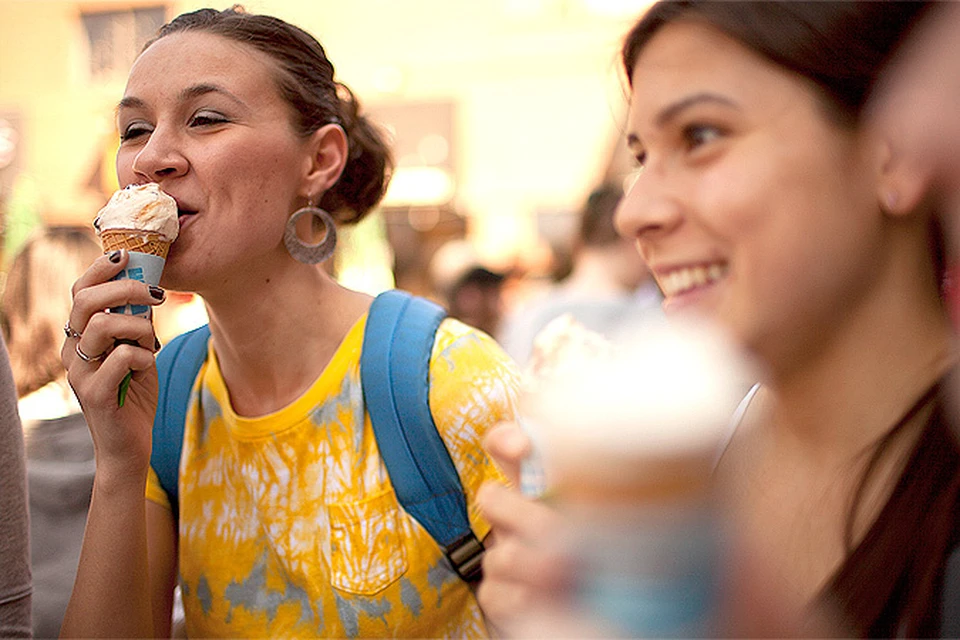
x: 69, y: 331
x: 87, y: 358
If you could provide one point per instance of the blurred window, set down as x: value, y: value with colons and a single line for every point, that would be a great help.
x: 116, y: 37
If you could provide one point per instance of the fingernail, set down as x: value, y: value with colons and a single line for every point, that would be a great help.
x: 156, y: 344
x: 157, y: 293
x: 114, y: 256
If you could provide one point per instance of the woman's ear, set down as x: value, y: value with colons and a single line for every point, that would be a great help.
x: 904, y: 182
x: 327, y: 157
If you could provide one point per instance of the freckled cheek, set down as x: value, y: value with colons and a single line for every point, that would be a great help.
x: 124, y: 166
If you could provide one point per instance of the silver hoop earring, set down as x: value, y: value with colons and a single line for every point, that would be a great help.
x: 310, y: 253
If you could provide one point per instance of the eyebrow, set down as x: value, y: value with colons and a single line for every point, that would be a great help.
x: 673, y: 110
x: 130, y: 102
x: 193, y: 91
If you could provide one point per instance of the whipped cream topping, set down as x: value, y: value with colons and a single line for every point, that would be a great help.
x: 141, y: 207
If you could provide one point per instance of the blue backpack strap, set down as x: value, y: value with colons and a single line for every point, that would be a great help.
x: 395, y: 376
x: 178, y: 364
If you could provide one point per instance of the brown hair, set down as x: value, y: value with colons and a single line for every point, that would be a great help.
x: 36, y: 302
x: 597, y: 228
x: 306, y: 81
x: 840, y: 46
x: 883, y: 587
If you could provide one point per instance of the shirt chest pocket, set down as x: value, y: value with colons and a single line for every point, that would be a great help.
x: 367, y: 551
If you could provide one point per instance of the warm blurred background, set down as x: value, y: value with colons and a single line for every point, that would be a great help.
x: 504, y: 113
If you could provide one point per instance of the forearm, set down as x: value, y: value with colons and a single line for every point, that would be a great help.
x: 111, y: 596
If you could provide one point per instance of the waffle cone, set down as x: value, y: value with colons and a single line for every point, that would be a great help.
x: 134, y: 240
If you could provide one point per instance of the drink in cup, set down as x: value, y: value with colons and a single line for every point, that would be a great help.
x: 629, y: 437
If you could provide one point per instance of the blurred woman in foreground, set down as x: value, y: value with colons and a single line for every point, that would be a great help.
x: 766, y: 205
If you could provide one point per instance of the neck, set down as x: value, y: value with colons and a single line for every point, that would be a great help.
x: 275, y: 339
x: 860, y: 379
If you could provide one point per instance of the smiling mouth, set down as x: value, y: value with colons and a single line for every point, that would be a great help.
x: 686, y: 279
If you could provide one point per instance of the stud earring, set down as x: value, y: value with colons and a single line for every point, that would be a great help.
x: 890, y: 200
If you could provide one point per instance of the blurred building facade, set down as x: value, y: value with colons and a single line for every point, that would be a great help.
x: 504, y: 113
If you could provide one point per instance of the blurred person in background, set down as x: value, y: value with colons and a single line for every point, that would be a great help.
x: 766, y: 204
x: 287, y: 522
x: 476, y: 299
x: 471, y: 290
x: 60, y: 458
x: 608, y: 289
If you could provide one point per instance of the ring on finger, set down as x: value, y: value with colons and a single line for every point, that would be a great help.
x: 69, y: 331
x: 87, y: 358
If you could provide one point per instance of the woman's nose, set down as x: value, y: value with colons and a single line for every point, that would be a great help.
x: 648, y: 206
x: 159, y: 158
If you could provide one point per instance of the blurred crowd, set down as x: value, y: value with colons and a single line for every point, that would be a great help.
x: 801, y: 157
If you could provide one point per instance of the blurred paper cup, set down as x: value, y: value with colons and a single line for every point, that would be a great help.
x: 629, y: 439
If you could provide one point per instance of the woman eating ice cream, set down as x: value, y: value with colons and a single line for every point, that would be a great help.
x: 287, y: 523
x: 765, y: 204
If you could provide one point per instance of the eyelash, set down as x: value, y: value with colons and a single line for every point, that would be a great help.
x: 133, y: 131
x: 206, y: 119
x: 692, y: 137
x: 198, y: 120
x: 692, y: 134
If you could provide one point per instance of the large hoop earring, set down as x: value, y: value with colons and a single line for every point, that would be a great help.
x: 310, y: 253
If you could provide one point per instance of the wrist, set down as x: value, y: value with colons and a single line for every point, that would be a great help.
x: 119, y: 480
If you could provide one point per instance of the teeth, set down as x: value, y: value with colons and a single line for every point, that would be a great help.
x: 682, y: 280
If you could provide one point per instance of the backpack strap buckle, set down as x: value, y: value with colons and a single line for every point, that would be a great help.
x: 466, y: 554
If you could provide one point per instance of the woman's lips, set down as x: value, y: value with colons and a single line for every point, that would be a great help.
x: 184, y: 216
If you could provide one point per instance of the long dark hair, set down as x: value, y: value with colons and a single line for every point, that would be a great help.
x: 306, y: 81
x: 890, y: 583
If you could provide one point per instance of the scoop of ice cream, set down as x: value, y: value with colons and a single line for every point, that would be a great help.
x: 141, y: 207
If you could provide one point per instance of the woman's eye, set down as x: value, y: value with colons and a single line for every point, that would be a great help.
x: 133, y: 131
x: 699, y: 134
x: 206, y: 119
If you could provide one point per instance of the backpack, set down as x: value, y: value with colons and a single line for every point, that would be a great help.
x: 395, y: 377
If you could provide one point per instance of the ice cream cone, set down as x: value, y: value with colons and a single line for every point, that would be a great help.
x: 135, y: 240
x: 143, y: 220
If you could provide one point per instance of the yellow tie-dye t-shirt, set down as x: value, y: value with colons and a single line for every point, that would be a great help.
x: 289, y: 525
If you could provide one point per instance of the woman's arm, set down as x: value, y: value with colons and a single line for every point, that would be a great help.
x: 162, y: 556
x: 126, y: 556
x: 124, y: 585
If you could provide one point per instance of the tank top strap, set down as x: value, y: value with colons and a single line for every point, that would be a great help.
x: 734, y: 422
